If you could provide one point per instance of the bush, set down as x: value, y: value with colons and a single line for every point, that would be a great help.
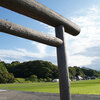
x: 45, y: 80
x: 49, y: 79
x: 5, y: 76
x: 33, y: 78
x: 20, y: 80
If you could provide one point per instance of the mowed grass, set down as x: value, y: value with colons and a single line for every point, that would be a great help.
x: 86, y: 87
x: 77, y: 87
x: 35, y: 87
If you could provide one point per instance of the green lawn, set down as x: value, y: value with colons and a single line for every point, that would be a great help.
x: 86, y: 87
x: 77, y: 87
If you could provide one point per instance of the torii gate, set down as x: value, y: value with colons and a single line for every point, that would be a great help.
x: 37, y: 11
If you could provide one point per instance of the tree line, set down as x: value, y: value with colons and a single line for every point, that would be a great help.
x: 38, y: 71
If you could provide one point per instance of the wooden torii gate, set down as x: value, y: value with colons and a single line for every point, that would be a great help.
x: 37, y: 11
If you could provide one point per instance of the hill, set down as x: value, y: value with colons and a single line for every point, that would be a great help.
x: 83, y: 72
x: 43, y: 70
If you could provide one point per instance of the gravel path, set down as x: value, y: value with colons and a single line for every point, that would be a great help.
x: 20, y: 95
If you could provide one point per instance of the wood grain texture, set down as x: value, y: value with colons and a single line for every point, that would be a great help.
x: 27, y: 33
x: 37, y: 11
x: 62, y: 66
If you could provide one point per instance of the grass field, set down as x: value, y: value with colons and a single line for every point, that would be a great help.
x: 77, y: 87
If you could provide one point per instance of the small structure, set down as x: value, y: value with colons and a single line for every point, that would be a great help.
x: 56, y: 80
x: 74, y: 78
x: 93, y: 77
x: 79, y: 78
x: 87, y: 78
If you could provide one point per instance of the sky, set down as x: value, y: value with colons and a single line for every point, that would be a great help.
x: 83, y: 50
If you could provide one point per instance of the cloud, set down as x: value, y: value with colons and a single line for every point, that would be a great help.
x: 89, y: 21
x: 41, y: 49
x: 95, y: 64
x: 44, y: 50
x: 90, y: 30
x: 10, y: 55
x: 22, y: 54
x: 91, y: 52
x: 80, y: 60
x: 89, y: 37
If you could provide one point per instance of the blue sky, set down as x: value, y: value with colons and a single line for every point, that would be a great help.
x: 82, y: 50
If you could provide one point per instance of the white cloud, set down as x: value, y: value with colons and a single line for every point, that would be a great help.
x: 80, y: 60
x: 41, y: 49
x: 44, y: 50
x: 10, y: 53
x: 89, y: 36
x: 89, y: 21
x: 22, y: 54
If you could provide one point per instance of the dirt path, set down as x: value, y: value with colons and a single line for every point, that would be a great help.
x: 19, y: 95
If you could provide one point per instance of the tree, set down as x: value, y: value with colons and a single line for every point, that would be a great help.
x: 5, y: 76
x: 42, y: 69
x: 33, y: 78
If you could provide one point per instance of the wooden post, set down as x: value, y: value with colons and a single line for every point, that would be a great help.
x: 35, y: 10
x: 62, y: 66
x: 27, y: 33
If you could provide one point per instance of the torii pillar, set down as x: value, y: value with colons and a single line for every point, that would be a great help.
x: 62, y: 66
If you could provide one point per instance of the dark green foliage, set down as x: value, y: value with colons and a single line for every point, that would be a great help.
x: 42, y: 69
x: 46, y: 71
x: 39, y: 71
x: 5, y: 76
x: 90, y: 72
x: 84, y: 72
x: 32, y: 78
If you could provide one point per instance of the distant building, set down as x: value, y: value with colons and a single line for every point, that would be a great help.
x: 93, y: 77
x: 88, y: 78
x: 79, y: 78
x: 74, y: 78
x: 56, y: 80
